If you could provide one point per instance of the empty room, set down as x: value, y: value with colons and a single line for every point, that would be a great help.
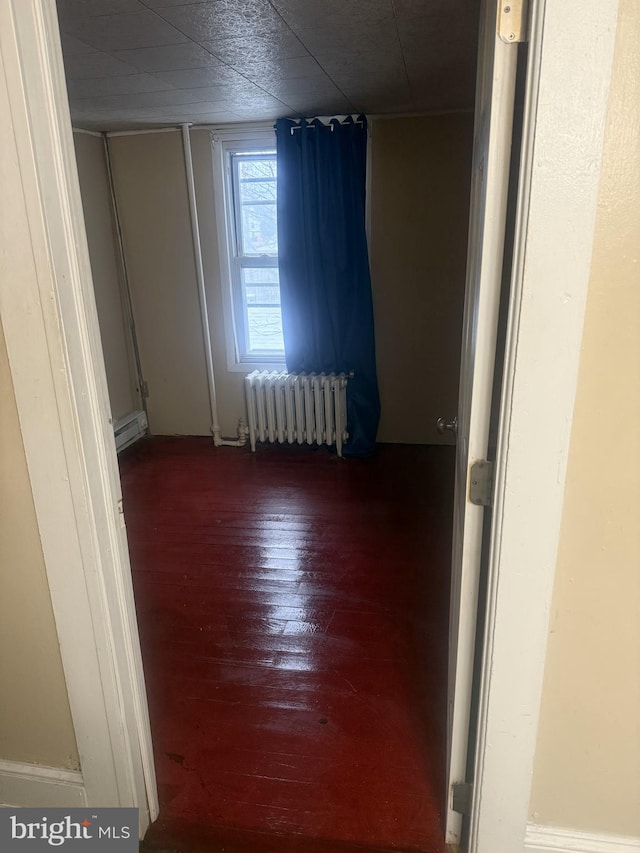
x: 308, y: 335
x: 276, y: 199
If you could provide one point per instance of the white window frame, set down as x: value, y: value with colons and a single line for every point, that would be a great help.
x: 228, y: 141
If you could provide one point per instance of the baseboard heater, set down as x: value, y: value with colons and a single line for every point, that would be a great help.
x: 128, y: 429
x: 297, y: 408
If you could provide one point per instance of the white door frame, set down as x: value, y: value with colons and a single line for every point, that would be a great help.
x: 570, y: 59
x: 492, y: 143
x: 50, y: 324
x: 48, y: 313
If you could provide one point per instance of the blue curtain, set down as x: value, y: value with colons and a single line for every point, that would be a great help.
x: 325, y: 286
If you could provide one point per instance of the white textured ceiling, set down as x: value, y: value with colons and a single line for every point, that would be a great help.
x: 139, y: 63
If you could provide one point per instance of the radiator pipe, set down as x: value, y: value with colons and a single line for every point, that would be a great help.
x: 218, y: 440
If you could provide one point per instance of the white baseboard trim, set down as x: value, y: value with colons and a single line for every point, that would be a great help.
x: 32, y: 785
x: 549, y: 839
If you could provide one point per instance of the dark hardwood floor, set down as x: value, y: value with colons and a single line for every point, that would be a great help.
x: 293, y: 615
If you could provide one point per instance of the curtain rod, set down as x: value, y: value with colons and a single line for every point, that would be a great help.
x: 329, y: 121
x: 313, y: 127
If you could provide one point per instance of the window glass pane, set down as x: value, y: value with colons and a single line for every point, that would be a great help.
x: 257, y: 199
x: 256, y: 166
x: 260, y: 275
x: 257, y: 190
x: 254, y: 214
x: 259, y: 229
x: 265, y: 328
x: 262, y: 295
x: 261, y: 290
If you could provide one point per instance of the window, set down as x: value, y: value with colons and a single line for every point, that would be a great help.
x: 251, y: 237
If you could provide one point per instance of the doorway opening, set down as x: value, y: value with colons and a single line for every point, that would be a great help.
x: 78, y: 421
x: 419, y: 383
x: 146, y: 320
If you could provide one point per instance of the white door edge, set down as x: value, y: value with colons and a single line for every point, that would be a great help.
x: 55, y: 356
x: 571, y: 51
x: 493, y: 129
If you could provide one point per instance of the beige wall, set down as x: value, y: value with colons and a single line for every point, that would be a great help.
x: 420, y: 190
x: 421, y: 171
x: 150, y: 185
x: 35, y: 721
x: 116, y: 341
x: 587, y: 771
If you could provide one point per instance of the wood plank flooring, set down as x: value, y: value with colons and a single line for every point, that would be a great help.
x: 293, y: 616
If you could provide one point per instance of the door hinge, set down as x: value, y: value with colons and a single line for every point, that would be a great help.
x: 461, y: 797
x: 481, y: 483
x: 144, y: 390
x: 512, y: 21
